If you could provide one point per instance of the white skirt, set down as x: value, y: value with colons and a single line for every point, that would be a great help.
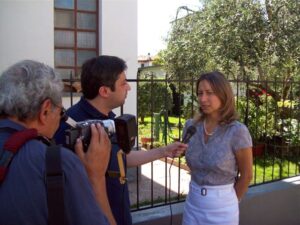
x: 211, y: 205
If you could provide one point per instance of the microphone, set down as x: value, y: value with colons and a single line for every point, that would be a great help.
x: 189, y: 133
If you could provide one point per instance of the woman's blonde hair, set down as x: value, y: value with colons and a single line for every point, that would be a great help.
x: 222, y: 88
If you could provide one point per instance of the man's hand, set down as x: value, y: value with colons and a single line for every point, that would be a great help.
x: 95, y: 161
x: 97, y: 156
x: 175, y: 149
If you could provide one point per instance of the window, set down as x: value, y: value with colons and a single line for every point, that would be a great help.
x: 75, y: 35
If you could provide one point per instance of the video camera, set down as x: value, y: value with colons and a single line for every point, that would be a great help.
x: 123, y: 126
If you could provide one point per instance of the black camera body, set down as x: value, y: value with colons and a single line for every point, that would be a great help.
x: 124, y: 127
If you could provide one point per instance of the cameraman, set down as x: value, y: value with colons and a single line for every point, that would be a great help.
x: 104, y: 87
x: 31, y: 97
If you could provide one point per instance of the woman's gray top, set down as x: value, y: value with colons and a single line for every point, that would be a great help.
x: 214, y: 162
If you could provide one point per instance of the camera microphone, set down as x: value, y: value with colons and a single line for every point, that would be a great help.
x: 191, y: 130
x: 70, y: 121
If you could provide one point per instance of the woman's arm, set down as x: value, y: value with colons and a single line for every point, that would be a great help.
x: 244, y: 162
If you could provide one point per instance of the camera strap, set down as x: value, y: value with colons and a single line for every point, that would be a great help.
x: 12, y: 146
x: 121, y: 173
x: 122, y: 177
x: 55, y: 186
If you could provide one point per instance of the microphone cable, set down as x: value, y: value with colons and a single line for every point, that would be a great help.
x: 170, y: 203
x: 191, y: 130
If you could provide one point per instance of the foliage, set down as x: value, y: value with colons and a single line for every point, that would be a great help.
x: 244, y: 38
x: 270, y: 120
x: 159, y: 59
x: 174, y: 129
x: 153, y: 98
x: 154, y: 95
x: 247, y: 40
x: 258, y: 115
x: 191, y: 107
x: 290, y: 131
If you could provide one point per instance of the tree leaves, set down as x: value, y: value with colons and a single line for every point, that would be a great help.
x: 241, y: 38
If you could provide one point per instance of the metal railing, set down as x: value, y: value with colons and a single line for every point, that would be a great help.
x: 270, y: 110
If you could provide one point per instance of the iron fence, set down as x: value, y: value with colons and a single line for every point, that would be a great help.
x: 270, y: 110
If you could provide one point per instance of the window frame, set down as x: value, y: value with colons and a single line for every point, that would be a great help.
x: 76, y: 67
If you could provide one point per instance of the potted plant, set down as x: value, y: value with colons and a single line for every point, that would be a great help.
x: 147, y: 142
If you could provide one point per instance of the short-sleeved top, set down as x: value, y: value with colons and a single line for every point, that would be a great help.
x: 23, y: 195
x: 214, y: 162
x: 117, y: 193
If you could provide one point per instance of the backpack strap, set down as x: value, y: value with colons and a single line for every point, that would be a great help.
x: 12, y: 146
x: 54, y: 176
x: 55, y: 187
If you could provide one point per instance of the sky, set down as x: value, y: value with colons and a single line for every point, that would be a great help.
x: 154, y: 22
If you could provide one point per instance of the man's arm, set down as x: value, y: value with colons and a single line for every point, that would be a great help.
x: 95, y: 161
x: 136, y: 158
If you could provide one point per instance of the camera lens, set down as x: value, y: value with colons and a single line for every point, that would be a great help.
x: 109, y: 126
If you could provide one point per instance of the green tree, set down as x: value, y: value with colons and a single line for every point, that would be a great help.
x: 159, y: 59
x: 240, y: 37
x: 153, y: 96
x: 245, y: 39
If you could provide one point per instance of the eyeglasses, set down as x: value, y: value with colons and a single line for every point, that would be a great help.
x: 63, y: 115
x: 62, y: 112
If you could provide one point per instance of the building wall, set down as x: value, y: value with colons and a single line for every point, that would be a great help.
x: 27, y: 32
x: 119, y: 29
x: 26, y: 28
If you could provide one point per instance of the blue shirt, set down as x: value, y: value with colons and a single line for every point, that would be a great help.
x: 214, y: 162
x: 118, y: 194
x: 23, y: 196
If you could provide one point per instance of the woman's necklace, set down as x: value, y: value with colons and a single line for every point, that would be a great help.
x: 205, y: 131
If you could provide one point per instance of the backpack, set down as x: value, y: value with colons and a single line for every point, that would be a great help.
x: 54, y: 177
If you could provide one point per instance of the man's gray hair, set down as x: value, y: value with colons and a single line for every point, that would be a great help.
x: 25, y: 86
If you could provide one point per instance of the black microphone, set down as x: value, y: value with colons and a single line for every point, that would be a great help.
x: 189, y: 133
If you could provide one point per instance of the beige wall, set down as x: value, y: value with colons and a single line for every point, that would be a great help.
x: 26, y: 28
x: 27, y: 32
x: 119, y: 30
